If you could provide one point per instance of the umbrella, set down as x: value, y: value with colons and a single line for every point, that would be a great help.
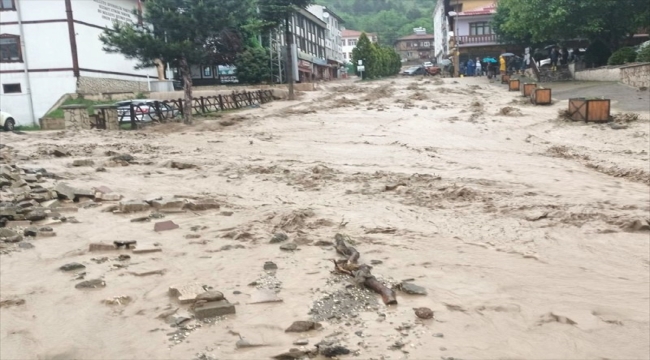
x: 445, y: 62
x: 549, y: 47
x: 489, y: 60
x: 507, y: 54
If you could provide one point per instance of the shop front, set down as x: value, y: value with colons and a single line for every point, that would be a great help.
x: 304, y: 71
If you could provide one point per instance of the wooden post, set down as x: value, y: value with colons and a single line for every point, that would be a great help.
x: 221, y: 102
x: 132, y: 113
x: 181, y: 108
x: 234, y: 99
x: 202, y: 103
x: 250, y: 97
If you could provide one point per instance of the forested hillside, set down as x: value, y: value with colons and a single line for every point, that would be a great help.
x: 390, y: 19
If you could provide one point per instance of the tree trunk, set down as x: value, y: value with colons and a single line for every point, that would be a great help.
x: 160, y: 68
x: 289, y: 40
x: 187, y: 86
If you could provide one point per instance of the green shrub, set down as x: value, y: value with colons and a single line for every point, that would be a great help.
x: 622, y: 56
x: 644, y: 54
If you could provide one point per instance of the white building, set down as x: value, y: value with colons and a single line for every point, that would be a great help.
x: 49, y: 48
x: 349, y: 40
x: 333, y: 48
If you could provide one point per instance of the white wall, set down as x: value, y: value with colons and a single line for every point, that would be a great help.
x: 47, y: 88
x: 463, y: 23
x: 89, y: 47
x: 600, y: 74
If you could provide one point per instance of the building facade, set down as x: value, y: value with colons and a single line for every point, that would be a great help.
x: 49, y: 48
x: 416, y: 47
x: 333, y: 49
x: 349, y: 39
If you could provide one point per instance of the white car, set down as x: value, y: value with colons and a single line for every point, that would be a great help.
x: 428, y: 64
x: 7, y: 121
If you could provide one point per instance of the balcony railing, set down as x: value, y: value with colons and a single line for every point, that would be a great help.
x: 477, y: 39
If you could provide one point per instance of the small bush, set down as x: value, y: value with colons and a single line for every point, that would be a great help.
x: 597, y: 54
x: 644, y: 54
x: 622, y: 56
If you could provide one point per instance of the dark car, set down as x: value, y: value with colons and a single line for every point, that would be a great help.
x: 414, y: 70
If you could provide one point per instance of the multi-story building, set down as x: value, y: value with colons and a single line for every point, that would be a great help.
x: 415, y: 47
x: 349, y: 40
x: 49, y: 48
x: 333, y: 49
x: 467, y: 28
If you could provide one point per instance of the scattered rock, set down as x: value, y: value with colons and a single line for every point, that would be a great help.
x: 167, y: 203
x: 292, y: 354
x: 424, y: 313
x: 181, y: 165
x: 192, y: 236
x: 12, y: 302
x: 186, y: 293
x: 439, y: 335
x: 301, y: 342
x: 638, y: 225
x: 227, y: 213
x: 31, y: 231
x: 60, y: 152
x: 243, y: 344
x: 323, y: 243
x: 84, y: 162
x: 202, y: 205
x: 91, y: 284
x: 25, y: 245
x: 141, y: 219
x: 133, y: 206
x: 72, y: 266
x: 278, y: 238
x: 101, y: 247
x: 412, y: 289
x: 303, y: 326
x: 270, y: 265
x: 100, y: 169
x: 123, y: 158
x: 330, y: 351
x: 165, y: 226
x: 10, y: 236
x: 36, y: 215
x: 146, y: 250
x: 289, y: 247
x: 376, y: 262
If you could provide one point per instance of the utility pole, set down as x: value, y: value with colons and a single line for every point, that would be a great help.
x: 289, y: 41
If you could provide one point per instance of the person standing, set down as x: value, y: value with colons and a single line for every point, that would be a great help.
x: 479, y: 70
x: 554, y: 58
x: 502, y: 65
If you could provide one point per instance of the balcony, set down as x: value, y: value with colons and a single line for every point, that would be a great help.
x: 474, y: 40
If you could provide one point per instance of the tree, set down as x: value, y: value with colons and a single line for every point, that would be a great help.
x: 365, y: 52
x: 253, y: 65
x: 274, y: 13
x: 539, y: 21
x: 379, y: 61
x: 183, y: 33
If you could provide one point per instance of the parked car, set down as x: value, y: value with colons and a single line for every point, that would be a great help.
x: 414, y: 70
x: 427, y: 64
x: 145, y: 110
x: 7, y: 121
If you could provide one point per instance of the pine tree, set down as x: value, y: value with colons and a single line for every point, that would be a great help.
x: 183, y: 33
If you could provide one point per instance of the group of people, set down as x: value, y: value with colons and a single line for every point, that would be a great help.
x: 483, y: 68
x: 560, y: 56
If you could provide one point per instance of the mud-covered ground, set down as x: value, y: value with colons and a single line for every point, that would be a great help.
x: 529, y: 232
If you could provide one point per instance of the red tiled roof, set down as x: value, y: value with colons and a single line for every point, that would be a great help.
x: 354, y: 34
x: 483, y: 10
x: 416, y: 37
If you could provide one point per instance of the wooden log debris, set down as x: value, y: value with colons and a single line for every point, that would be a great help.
x: 360, y: 273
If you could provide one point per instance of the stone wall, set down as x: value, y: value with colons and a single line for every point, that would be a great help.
x: 95, y: 85
x: 52, y: 124
x: 637, y: 75
x: 76, y: 117
x: 599, y: 74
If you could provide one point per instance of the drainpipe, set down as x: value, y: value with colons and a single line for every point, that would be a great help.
x: 28, y: 81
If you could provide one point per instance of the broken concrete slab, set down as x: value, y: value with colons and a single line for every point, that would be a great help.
x: 186, y: 293
x: 182, y: 165
x: 146, y: 250
x: 147, y: 272
x: 17, y: 224
x: 261, y: 296
x: 165, y: 226
x: 10, y: 236
x: 133, y: 206
x: 167, y: 203
x: 412, y: 289
x: 51, y: 204
x: 103, y: 189
x: 303, y: 326
x: 107, y: 197
x: 60, y: 152
x: 65, y: 191
x: 101, y: 247
x: 202, y: 205
x: 214, y: 309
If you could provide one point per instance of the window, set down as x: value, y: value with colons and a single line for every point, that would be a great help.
x: 11, y: 88
x: 6, y: 5
x: 10, y: 48
x: 352, y: 42
x: 207, y: 71
x: 480, y: 28
x: 426, y: 44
